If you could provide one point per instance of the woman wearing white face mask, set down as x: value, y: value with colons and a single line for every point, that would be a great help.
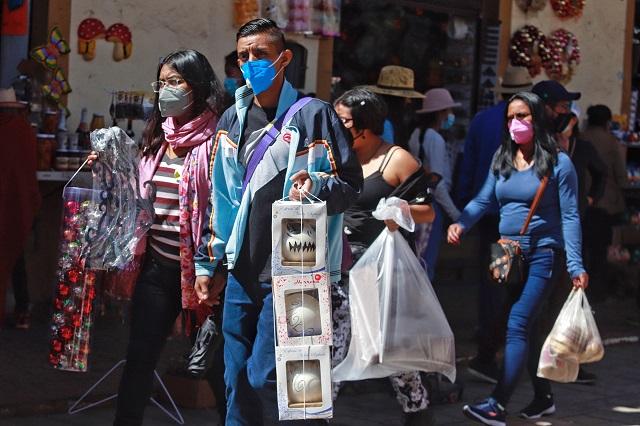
x: 175, y: 157
x: 428, y: 145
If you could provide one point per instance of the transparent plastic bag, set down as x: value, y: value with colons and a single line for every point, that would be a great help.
x: 397, y: 323
x: 396, y: 209
x: 124, y: 216
x: 573, y: 340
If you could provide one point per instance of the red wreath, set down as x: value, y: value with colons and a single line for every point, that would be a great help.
x: 565, y: 55
x: 567, y: 8
x: 529, y: 48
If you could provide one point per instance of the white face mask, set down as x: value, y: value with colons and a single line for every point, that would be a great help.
x: 173, y: 101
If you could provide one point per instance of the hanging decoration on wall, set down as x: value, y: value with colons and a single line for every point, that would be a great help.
x: 565, y: 55
x: 568, y: 8
x: 244, y: 11
x: 89, y: 31
x: 57, y: 87
x: 48, y: 54
x: 121, y: 36
x: 531, y: 5
x: 15, y: 18
x: 529, y: 48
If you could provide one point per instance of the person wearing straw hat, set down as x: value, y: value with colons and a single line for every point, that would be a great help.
x: 19, y: 198
x: 396, y: 86
x: 483, y: 139
x: 428, y: 145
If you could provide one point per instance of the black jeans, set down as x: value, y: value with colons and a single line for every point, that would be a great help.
x: 20, y: 289
x: 156, y: 305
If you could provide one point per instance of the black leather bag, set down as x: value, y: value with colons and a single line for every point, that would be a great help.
x: 507, y: 262
x: 207, y: 341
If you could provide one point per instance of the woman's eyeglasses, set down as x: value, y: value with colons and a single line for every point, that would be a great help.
x: 172, y: 82
x: 346, y: 121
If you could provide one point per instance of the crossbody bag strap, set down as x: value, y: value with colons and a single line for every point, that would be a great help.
x: 534, y: 204
x: 269, y: 137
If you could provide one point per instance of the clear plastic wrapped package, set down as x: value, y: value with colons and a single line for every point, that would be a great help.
x: 123, y: 216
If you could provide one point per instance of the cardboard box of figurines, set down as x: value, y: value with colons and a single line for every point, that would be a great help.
x: 302, y: 303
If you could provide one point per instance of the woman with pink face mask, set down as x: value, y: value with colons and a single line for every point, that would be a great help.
x: 527, y: 154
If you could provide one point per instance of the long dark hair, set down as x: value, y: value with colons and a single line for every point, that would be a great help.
x: 196, y: 70
x: 545, y: 152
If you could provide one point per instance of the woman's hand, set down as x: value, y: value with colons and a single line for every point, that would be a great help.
x: 391, y: 225
x: 454, y: 233
x: 302, y: 184
x: 93, y: 156
x: 581, y: 281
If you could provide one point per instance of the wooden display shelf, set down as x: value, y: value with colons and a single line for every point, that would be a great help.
x: 59, y: 176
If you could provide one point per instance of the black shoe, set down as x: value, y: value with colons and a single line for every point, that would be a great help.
x: 483, y: 371
x: 585, y: 378
x: 539, y: 407
x: 419, y: 418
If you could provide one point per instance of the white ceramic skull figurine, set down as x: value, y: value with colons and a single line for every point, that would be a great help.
x: 299, y: 241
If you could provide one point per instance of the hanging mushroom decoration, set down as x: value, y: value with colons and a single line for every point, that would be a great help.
x: 120, y: 35
x: 89, y: 31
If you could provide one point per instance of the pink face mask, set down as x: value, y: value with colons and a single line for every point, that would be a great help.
x: 521, y: 131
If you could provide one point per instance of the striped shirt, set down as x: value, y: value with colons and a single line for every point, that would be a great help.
x: 164, y: 235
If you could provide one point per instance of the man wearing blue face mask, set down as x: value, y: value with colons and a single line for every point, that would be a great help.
x: 233, y: 78
x: 255, y: 164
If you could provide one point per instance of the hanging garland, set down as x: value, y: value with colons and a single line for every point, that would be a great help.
x: 531, y: 5
x: 567, y: 8
x: 529, y: 48
x: 565, y: 55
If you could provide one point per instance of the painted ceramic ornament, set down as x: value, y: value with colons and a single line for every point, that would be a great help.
x: 299, y: 242
x: 303, y: 382
x: 89, y: 30
x: 48, y: 54
x: 120, y: 35
x: 303, y: 314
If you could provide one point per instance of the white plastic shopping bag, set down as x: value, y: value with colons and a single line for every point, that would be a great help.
x: 573, y: 340
x: 397, y: 323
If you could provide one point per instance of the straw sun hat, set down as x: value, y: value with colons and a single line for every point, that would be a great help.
x: 514, y: 80
x: 8, y: 99
x: 396, y: 81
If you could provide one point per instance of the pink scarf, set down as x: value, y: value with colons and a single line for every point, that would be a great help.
x: 194, y: 189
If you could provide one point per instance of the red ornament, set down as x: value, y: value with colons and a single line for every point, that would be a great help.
x: 56, y: 345
x: 565, y: 9
x: 90, y: 277
x: 529, y: 49
x: 69, y: 234
x: 72, y: 207
x: 54, y: 359
x: 63, y: 289
x: 73, y: 275
x: 87, y: 307
x: 58, y: 304
x: 66, y: 332
x: 91, y: 293
x: 77, y: 320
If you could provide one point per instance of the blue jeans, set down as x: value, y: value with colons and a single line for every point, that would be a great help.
x: 543, y: 267
x: 249, y: 353
x: 435, y: 240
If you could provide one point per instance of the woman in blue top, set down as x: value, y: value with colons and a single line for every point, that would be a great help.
x: 528, y: 152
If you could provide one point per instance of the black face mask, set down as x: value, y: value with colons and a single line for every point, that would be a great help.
x: 561, y: 122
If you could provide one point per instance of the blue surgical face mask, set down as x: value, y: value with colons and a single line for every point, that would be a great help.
x: 449, y: 121
x: 260, y: 74
x: 230, y: 85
